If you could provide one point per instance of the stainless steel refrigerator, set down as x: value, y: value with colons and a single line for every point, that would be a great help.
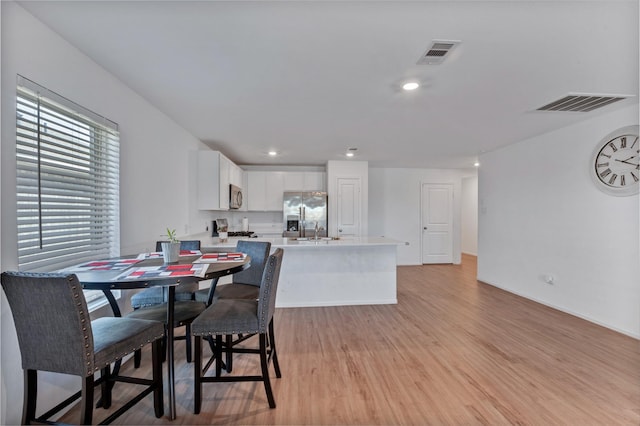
x: 302, y: 211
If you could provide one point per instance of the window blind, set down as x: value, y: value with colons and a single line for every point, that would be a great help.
x: 67, y: 181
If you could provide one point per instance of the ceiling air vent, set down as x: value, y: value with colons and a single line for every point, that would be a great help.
x: 582, y: 103
x: 437, y: 52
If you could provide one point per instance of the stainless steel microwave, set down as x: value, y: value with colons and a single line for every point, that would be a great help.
x: 235, y: 197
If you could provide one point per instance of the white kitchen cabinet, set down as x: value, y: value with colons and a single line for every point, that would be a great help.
x: 215, y: 173
x: 225, y: 168
x: 293, y: 181
x: 255, y: 193
x: 315, y: 181
x: 274, y: 190
x: 304, y: 181
x: 236, y: 175
x: 264, y: 190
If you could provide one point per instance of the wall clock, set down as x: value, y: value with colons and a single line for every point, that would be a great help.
x: 614, y: 164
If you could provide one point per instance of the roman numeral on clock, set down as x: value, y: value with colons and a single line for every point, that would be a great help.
x: 605, y: 173
x: 635, y: 178
x: 622, y: 180
x: 613, y: 178
x: 613, y: 146
x: 623, y: 142
x: 603, y: 164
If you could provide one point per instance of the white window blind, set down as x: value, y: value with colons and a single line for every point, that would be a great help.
x: 67, y: 182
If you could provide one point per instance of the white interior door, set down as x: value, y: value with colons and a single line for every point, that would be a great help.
x: 348, y: 207
x: 437, y: 223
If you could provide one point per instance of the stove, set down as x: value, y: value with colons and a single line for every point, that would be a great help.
x: 240, y: 233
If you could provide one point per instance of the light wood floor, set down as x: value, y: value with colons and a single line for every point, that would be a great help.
x: 452, y: 351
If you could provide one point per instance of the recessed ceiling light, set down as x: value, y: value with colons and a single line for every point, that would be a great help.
x: 412, y: 85
x: 350, y: 154
x: 273, y: 153
x: 476, y: 164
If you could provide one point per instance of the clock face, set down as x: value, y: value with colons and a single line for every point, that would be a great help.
x: 616, y: 160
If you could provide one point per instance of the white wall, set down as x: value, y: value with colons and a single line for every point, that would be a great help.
x: 540, y: 214
x: 394, y: 207
x: 469, y: 215
x: 155, y: 181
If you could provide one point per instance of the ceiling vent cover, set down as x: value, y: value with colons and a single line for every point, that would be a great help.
x: 582, y: 103
x: 438, y: 51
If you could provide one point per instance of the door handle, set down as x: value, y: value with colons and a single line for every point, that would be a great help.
x: 425, y: 228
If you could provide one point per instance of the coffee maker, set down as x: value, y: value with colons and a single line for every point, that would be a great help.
x: 217, y: 226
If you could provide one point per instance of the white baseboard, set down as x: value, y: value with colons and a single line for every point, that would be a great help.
x: 562, y: 309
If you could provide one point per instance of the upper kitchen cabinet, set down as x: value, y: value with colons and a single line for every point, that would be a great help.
x: 215, y: 173
x: 264, y: 190
x: 236, y: 175
x: 305, y: 181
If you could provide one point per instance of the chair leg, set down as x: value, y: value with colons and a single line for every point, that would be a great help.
x: 106, y: 387
x: 274, y: 354
x: 137, y: 357
x: 218, y: 355
x: 30, y: 396
x: 86, y: 404
x: 187, y: 337
x: 197, y: 374
x: 156, y: 355
x: 229, y: 353
x: 264, y: 364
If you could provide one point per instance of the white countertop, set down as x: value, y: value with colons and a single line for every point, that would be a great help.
x: 207, y: 241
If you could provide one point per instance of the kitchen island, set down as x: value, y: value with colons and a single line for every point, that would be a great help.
x: 324, y: 272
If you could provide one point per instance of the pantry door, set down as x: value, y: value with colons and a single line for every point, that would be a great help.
x: 437, y: 223
x: 348, y: 207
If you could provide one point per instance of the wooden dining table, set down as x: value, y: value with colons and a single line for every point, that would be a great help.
x: 125, y: 278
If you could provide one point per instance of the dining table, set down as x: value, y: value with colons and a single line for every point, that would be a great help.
x: 137, y: 272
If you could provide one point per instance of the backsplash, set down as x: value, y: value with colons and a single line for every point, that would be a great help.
x: 259, y: 222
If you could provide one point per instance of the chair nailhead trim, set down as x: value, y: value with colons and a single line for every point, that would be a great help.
x: 126, y: 353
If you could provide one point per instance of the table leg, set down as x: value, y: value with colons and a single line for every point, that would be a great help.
x: 170, y: 356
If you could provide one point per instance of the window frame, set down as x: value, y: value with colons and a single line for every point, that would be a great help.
x: 67, y: 184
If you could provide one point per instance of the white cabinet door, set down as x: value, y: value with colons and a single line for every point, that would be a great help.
x: 348, y: 207
x: 236, y: 175
x: 208, y: 184
x: 264, y: 191
x: 255, y: 194
x: 274, y: 190
x: 315, y: 181
x: 294, y: 181
x: 304, y: 181
x: 225, y: 169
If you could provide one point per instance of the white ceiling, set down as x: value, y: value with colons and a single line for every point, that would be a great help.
x: 312, y: 79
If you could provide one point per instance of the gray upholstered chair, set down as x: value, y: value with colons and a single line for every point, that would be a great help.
x: 245, y: 284
x: 55, y: 334
x: 184, y: 312
x: 157, y: 295
x: 153, y: 303
x: 240, y: 316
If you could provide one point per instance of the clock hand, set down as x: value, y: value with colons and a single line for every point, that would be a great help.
x: 627, y: 160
